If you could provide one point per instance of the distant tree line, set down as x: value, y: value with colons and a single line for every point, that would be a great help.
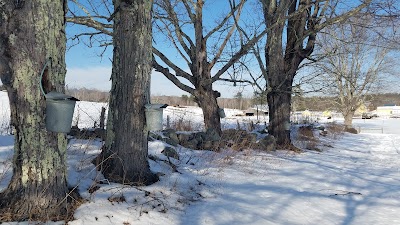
x: 90, y: 95
x: 329, y: 103
x: 383, y: 99
x: 95, y: 95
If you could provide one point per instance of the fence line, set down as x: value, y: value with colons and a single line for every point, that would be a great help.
x: 360, y: 129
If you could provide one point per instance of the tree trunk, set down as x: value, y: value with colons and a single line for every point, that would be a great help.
x: 279, y: 117
x: 280, y: 100
x: 32, y: 32
x: 348, y: 119
x: 280, y: 83
x: 125, y: 154
x: 206, y: 98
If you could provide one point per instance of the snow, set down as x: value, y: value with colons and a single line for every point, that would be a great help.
x: 354, y: 180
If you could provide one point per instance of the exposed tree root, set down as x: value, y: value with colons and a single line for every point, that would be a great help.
x: 113, y: 174
x: 16, y: 207
x: 289, y: 147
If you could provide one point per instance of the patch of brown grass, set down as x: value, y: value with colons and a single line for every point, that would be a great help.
x: 238, y: 140
x: 335, y: 130
x: 306, y: 138
x: 182, y: 125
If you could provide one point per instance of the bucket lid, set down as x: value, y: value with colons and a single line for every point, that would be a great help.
x: 60, y: 96
x: 155, y: 106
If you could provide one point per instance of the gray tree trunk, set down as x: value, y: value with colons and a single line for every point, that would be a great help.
x: 32, y: 32
x: 206, y: 98
x: 279, y: 117
x: 125, y: 154
x: 283, y: 60
x: 279, y: 80
x: 292, y: 30
x: 348, y: 119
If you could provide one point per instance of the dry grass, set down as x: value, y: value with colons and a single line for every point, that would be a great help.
x: 182, y: 121
x: 238, y: 140
x: 306, y: 139
x: 182, y: 125
x: 335, y: 130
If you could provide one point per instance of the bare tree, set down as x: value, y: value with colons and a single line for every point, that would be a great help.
x: 125, y: 25
x: 124, y: 157
x: 201, y: 48
x: 356, y: 62
x: 32, y: 39
x: 182, y: 27
x: 292, y: 30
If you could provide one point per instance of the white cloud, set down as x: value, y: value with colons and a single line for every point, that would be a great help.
x: 92, y: 78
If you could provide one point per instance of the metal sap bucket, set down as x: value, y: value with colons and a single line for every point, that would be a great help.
x: 154, y: 116
x: 221, y: 113
x: 59, y: 112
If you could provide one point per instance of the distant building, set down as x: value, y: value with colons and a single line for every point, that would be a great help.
x: 257, y: 110
x: 388, y: 110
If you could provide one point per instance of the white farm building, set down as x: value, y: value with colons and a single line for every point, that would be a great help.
x: 388, y: 110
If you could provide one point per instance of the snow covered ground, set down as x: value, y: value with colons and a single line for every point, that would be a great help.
x: 354, y: 180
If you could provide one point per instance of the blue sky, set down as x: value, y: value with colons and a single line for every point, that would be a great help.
x: 86, y: 68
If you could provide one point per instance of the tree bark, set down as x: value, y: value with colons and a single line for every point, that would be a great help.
x: 125, y: 154
x: 348, y: 119
x: 280, y: 99
x: 279, y: 79
x: 282, y: 62
x: 279, y: 117
x: 31, y: 33
x: 206, y: 98
x: 292, y: 30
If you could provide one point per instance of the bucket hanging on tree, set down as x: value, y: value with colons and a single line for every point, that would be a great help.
x: 154, y: 116
x: 59, y: 112
x: 59, y: 109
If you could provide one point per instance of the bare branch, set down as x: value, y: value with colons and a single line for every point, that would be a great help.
x: 179, y: 72
x: 236, y: 81
x: 229, y: 15
x: 90, y: 22
x: 192, y: 16
x: 173, y: 18
x: 171, y: 77
x: 242, y: 51
x: 343, y: 17
x: 172, y: 39
x: 228, y: 36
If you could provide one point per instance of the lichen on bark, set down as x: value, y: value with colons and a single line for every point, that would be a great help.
x: 34, y: 34
x: 124, y: 155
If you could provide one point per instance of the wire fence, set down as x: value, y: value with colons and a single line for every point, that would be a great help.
x: 370, y: 129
